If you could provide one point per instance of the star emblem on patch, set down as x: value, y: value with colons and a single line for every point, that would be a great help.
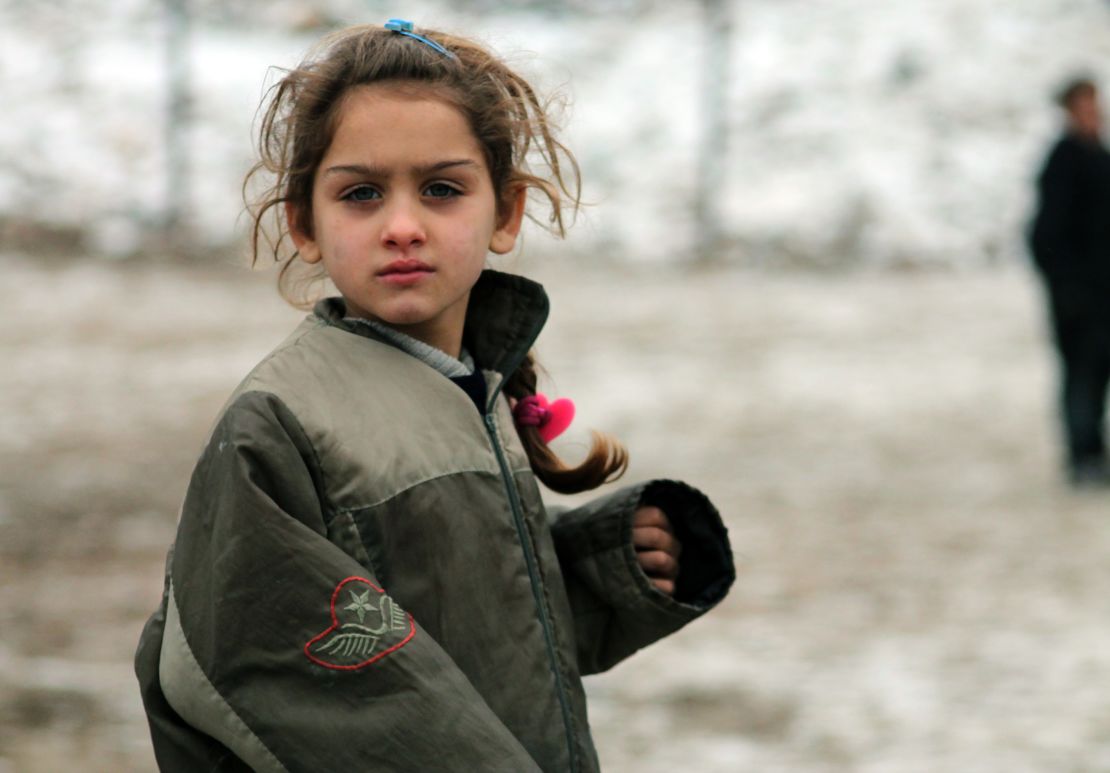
x: 360, y: 604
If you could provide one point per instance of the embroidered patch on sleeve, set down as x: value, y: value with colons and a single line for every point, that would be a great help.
x: 366, y: 625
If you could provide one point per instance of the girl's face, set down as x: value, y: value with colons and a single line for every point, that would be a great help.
x: 404, y: 213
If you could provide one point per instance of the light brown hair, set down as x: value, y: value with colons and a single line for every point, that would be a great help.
x: 507, y: 117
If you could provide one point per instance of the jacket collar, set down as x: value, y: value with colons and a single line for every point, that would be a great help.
x: 504, y: 317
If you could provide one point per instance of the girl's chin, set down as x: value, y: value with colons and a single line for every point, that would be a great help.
x: 398, y: 316
x: 401, y: 318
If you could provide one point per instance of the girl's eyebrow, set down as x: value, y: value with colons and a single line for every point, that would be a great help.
x: 375, y: 171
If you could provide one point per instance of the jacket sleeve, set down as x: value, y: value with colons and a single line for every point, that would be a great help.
x: 616, y: 608
x: 276, y: 650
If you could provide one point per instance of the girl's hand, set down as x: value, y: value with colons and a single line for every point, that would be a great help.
x: 657, y: 549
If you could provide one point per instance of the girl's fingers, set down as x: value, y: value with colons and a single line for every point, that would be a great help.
x: 650, y: 516
x: 657, y: 549
x: 658, y: 564
x: 654, y: 538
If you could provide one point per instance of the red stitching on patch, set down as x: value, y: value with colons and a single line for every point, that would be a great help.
x: 335, y: 624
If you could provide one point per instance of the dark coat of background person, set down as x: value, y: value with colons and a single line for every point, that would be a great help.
x: 1070, y: 243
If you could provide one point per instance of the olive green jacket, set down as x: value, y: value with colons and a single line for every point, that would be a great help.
x: 364, y: 576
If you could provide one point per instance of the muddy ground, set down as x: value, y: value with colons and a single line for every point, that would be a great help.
x: 917, y: 590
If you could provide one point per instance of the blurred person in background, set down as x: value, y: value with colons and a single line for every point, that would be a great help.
x: 1070, y: 243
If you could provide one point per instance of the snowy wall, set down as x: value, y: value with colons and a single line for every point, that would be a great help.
x: 860, y: 132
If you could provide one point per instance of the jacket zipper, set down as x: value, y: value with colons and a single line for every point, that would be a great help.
x: 533, y: 576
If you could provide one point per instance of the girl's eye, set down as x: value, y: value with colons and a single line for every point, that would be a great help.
x: 441, y: 191
x: 362, y: 193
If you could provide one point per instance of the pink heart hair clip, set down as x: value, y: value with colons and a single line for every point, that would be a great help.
x: 549, y: 419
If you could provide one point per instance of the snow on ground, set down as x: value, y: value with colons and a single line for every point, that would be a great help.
x: 887, y: 132
x: 916, y: 592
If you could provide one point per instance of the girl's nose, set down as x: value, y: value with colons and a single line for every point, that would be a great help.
x: 403, y: 228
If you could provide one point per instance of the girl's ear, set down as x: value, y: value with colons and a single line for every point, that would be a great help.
x: 306, y: 245
x: 504, y: 238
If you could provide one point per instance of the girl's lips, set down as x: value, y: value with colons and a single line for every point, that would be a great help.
x: 405, y: 266
x: 405, y: 272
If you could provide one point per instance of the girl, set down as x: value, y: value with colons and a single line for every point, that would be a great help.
x: 364, y: 576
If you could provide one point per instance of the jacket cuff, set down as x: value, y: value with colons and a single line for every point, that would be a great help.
x: 706, y: 570
x: 600, y: 533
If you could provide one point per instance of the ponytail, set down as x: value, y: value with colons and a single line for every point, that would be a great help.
x: 607, y: 460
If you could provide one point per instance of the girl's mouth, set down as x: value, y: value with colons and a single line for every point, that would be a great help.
x: 405, y: 272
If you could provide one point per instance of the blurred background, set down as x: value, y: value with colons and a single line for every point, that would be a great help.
x: 800, y: 284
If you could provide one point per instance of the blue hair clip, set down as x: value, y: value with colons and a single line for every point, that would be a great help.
x: 405, y: 28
